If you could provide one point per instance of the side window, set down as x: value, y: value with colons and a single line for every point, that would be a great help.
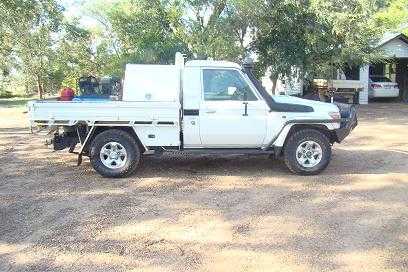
x: 224, y: 84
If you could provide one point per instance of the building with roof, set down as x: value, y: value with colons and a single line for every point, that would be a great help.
x: 394, y: 49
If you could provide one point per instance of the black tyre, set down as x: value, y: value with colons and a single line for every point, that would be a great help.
x: 307, y: 152
x: 114, y: 153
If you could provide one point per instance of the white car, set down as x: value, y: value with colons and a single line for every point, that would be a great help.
x: 381, y: 86
x: 198, y: 107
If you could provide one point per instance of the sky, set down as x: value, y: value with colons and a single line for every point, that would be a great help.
x: 77, y: 8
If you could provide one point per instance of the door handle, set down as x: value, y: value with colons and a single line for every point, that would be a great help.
x: 211, y: 111
x: 245, y: 109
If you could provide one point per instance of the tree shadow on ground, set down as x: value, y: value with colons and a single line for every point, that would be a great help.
x: 139, y: 227
x: 56, y: 216
x: 201, y: 213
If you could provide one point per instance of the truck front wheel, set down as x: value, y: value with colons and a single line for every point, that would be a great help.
x: 307, y: 152
x: 114, y: 153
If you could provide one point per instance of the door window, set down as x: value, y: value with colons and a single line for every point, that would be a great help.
x: 226, y: 84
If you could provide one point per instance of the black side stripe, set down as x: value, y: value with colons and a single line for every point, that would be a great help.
x: 143, y: 122
x: 191, y: 112
x: 165, y: 123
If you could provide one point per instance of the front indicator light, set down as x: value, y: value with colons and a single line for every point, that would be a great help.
x: 335, y: 115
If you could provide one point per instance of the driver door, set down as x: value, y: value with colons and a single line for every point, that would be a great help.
x: 231, y: 113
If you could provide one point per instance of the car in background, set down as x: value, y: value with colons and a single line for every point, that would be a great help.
x: 381, y: 86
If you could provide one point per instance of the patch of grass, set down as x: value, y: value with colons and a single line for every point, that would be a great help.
x: 6, y: 94
x: 16, y: 102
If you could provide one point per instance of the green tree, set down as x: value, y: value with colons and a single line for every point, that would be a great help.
x: 394, y: 17
x: 197, y: 28
x: 83, y: 52
x: 315, y: 36
x: 318, y: 36
x: 143, y: 31
x: 212, y: 28
x: 28, y: 28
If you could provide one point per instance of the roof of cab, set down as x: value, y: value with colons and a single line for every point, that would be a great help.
x: 212, y: 63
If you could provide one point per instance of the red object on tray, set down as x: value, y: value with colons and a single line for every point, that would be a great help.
x: 67, y: 94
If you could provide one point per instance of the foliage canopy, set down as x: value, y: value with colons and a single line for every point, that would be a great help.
x: 42, y: 47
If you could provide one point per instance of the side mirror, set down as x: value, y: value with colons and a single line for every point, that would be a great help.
x: 232, y: 90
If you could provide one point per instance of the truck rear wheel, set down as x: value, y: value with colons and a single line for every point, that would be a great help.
x: 307, y: 152
x: 114, y: 153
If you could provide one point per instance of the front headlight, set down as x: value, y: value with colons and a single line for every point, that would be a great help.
x: 335, y: 115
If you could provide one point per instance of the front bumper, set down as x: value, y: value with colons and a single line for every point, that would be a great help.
x: 347, y: 125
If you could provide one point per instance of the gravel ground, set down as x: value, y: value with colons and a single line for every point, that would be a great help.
x: 206, y: 213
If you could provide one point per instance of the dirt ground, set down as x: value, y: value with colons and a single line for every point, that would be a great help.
x: 206, y: 213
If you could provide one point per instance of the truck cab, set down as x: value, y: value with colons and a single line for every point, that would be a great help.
x: 200, y: 106
x: 224, y: 106
x: 221, y: 107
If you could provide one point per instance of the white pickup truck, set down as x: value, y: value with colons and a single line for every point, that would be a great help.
x: 198, y: 106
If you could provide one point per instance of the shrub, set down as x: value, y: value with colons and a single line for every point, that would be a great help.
x: 6, y: 94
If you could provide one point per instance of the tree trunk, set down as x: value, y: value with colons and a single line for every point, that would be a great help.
x: 274, y: 82
x: 40, y: 89
x: 219, y: 7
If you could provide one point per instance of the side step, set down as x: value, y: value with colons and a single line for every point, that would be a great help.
x: 159, y: 150
x: 225, y: 151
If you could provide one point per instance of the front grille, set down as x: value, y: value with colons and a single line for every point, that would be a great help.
x: 345, y: 109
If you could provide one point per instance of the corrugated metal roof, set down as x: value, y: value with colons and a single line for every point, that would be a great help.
x: 389, y: 36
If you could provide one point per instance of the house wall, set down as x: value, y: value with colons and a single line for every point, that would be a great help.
x: 288, y: 86
x: 267, y: 83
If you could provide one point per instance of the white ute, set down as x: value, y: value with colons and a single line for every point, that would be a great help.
x: 198, y: 106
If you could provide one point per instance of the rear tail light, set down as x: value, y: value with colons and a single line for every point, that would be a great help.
x: 375, y: 86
